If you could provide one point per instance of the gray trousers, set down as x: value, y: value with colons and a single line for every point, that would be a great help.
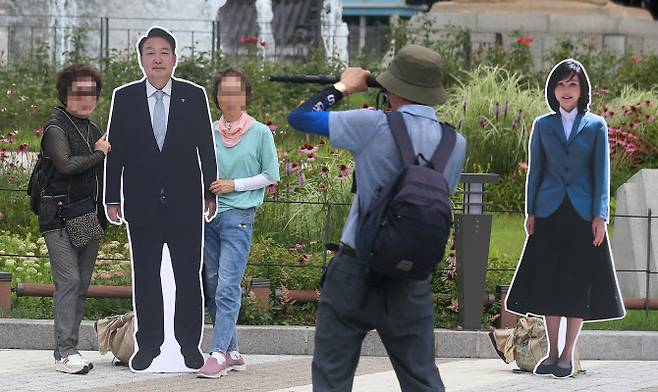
x: 402, y: 312
x: 71, y: 269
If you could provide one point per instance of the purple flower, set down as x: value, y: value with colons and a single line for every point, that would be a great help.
x: 520, y: 116
x: 506, y: 108
x: 301, y: 179
x: 515, y: 124
x: 483, y: 121
x: 497, y: 110
x: 288, y: 167
x: 465, y: 104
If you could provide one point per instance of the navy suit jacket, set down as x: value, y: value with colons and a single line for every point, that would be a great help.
x: 578, y: 168
x: 145, y: 170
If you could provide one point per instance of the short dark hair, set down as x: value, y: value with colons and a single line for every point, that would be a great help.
x: 157, y: 32
x: 74, y: 72
x: 568, y: 69
x: 217, y: 78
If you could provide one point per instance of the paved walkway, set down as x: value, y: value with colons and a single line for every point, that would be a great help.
x: 33, y: 370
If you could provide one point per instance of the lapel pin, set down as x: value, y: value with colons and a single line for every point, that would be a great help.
x: 182, y: 99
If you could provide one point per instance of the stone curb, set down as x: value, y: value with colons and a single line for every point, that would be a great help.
x: 594, y: 345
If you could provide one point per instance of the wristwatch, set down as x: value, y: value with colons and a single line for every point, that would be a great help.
x: 340, y: 86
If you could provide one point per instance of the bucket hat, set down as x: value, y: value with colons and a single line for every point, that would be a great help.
x: 416, y: 74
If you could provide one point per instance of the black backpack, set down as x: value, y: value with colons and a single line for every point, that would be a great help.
x: 39, y: 180
x: 404, y: 232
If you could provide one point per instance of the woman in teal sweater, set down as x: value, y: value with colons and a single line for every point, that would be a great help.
x: 247, y: 163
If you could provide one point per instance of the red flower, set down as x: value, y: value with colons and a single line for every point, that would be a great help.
x: 526, y: 41
x: 636, y: 59
x: 243, y: 40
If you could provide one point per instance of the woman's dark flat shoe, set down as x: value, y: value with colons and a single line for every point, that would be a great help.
x: 544, y: 369
x: 560, y: 372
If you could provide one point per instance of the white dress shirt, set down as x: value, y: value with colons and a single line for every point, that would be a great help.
x: 568, y: 119
x: 166, y: 98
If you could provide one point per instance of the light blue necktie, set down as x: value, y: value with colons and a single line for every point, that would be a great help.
x: 159, y: 120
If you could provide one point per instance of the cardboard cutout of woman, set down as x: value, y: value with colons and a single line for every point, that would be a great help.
x: 566, y: 267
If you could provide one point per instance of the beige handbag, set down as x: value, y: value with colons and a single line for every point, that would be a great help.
x: 530, y: 342
x: 115, y: 333
x: 525, y: 344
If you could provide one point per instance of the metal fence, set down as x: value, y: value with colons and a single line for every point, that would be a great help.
x: 329, y: 209
x: 100, y: 37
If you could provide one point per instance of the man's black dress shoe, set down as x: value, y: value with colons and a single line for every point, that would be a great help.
x: 193, y: 358
x: 143, y: 359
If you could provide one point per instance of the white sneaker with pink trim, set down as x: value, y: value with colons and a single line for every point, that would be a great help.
x: 235, y: 361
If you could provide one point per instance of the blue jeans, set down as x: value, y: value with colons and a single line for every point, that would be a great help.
x: 227, y: 241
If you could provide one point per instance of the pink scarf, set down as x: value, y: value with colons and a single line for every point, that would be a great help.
x: 232, y: 133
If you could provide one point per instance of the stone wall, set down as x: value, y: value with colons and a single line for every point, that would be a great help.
x: 609, y: 26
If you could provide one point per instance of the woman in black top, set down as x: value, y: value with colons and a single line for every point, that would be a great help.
x: 72, y: 170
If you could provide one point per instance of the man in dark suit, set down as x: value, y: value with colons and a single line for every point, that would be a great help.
x: 160, y: 130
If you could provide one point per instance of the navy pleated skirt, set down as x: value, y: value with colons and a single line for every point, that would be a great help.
x: 563, y: 274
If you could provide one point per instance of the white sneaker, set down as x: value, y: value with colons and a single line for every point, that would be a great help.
x: 73, y: 364
x: 89, y: 364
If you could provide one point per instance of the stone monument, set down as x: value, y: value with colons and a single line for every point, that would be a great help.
x: 629, y: 242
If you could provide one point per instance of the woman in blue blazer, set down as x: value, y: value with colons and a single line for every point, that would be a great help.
x: 566, y: 268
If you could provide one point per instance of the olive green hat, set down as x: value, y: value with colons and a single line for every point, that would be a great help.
x: 416, y: 74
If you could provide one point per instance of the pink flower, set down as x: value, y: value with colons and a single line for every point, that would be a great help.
x: 523, y: 165
x: 323, y: 187
x: 273, y: 127
x: 311, y: 157
x: 23, y: 148
x: 344, y: 170
x: 38, y: 132
x: 308, y: 149
x: 636, y: 59
x: 272, y: 188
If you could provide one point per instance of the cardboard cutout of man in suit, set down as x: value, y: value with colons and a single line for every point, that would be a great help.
x: 162, y: 164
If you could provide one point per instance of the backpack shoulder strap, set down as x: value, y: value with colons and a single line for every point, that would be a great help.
x: 401, y: 136
x: 443, y: 151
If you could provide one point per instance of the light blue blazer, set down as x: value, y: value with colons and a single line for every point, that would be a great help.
x: 578, y: 168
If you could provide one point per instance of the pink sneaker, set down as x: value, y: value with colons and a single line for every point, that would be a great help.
x: 215, y: 367
x: 235, y: 361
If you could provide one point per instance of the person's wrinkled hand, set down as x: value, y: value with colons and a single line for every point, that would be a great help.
x: 220, y: 187
x: 355, y: 80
